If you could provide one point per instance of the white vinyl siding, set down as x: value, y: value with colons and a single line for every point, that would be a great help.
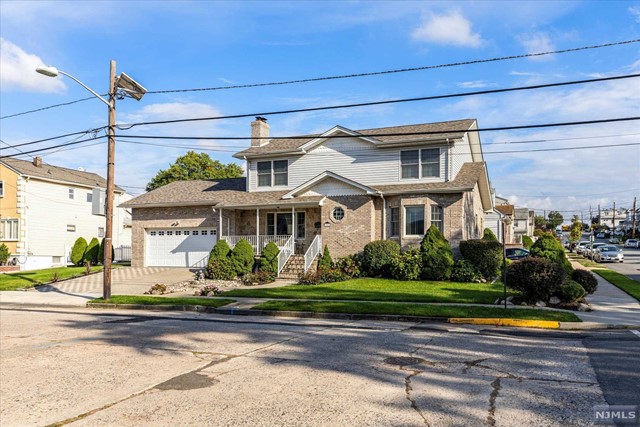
x: 333, y: 187
x: 460, y: 154
x: 352, y: 158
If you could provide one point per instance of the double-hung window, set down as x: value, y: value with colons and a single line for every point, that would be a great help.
x: 437, y: 217
x: 423, y: 163
x: 72, y: 193
x: 9, y: 229
x: 300, y: 225
x: 273, y: 173
x: 1, y: 188
x: 394, y: 221
x: 414, y: 220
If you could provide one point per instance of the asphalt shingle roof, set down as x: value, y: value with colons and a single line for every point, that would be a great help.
x: 56, y: 173
x: 454, y: 129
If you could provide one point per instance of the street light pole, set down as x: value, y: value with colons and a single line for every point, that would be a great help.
x: 111, y: 153
x: 129, y: 87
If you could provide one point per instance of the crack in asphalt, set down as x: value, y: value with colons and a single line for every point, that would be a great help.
x: 495, y: 389
x: 407, y: 392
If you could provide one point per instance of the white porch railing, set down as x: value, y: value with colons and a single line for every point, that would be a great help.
x: 257, y: 242
x: 285, y: 253
x: 312, y: 252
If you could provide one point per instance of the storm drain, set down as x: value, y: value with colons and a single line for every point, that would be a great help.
x: 403, y: 361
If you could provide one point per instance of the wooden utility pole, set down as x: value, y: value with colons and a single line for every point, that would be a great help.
x: 614, y: 219
x: 633, y: 229
x: 111, y: 152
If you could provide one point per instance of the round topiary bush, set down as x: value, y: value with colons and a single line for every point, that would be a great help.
x: 93, y: 249
x: 465, y: 272
x: 527, y: 242
x: 220, y: 250
x: 269, y: 259
x: 77, y: 253
x: 571, y: 292
x: 220, y: 269
x: 537, y: 279
x: 586, y: 279
x: 485, y: 255
x: 407, y: 266
x: 437, y: 257
x: 378, y: 256
x: 242, y: 257
x: 489, y: 235
x: 547, y: 246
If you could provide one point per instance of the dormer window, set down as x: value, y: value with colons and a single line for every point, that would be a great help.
x: 423, y: 163
x: 273, y: 173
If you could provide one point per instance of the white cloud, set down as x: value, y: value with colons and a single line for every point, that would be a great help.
x: 537, y: 43
x: 635, y: 11
x: 523, y: 73
x: 475, y: 84
x: 18, y: 71
x: 447, y: 29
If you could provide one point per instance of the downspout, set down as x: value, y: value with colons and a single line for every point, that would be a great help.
x: 384, y: 217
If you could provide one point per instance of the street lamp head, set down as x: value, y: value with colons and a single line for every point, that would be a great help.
x: 48, y: 71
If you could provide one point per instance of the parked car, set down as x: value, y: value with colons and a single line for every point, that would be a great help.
x: 600, y: 235
x: 614, y: 241
x: 516, y: 253
x: 589, y: 250
x: 581, y: 245
x: 608, y: 253
x: 631, y: 243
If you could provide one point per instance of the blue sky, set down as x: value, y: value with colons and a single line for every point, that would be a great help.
x: 181, y: 45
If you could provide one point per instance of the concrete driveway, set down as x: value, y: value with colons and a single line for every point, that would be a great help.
x: 124, y: 281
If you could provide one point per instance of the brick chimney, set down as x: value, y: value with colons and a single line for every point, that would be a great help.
x: 259, y: 129
x: 37, y: 161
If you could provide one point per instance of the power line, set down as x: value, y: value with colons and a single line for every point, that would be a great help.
x: 374, y: 73
x: 581, y: 195
x: 85, y: 132
x: 54, y: 146
x: 402, y: 70
x: 371, y: 103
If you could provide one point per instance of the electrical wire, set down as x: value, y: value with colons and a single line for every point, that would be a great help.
x: 371, y: 103
x: 85, y: 132
x: 54, y: 146
x: 346, y: 76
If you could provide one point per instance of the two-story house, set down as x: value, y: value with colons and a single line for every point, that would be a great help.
x: 343, y: 188
x: 45, y: 208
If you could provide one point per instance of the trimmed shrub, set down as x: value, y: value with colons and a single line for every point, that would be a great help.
x: 220, y: 250
x: 325, y: 262
x: 77, y: 253
x: 488, y: 235
x: 378, y: 256
x: 350, y: 266
x: 536, y: 278
x: 101, y: 252
x: 436, y: 254
x: 485, y: 255
x: 571, y: 292
x: 259, y: 277
x: 322, y: 276
x: 220, y: 269
x: 242, y: 257
x: 407, y: 266
x: 269, y: 259
x: 464, y: 271
x: 586, y: 279
x: 4, y: 254
x: 527, y: 242
x: 547, y: 246
x: 91, y: 254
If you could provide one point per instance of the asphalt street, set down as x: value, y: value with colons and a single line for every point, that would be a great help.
x: 106, y: 368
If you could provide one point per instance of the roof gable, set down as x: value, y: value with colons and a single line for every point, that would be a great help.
x: 330, y: 184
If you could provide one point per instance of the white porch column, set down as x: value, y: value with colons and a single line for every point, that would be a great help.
x: 293, y: 222
x: 258, y: 248
x: 220, y: 224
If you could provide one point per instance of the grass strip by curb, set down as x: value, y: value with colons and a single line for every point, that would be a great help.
x: 424, y: 310
x: 627, y: 284
x: 28, y: 279
x: 157, y: 300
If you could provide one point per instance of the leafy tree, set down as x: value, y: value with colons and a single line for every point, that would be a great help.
x: 4, y: 253
x: 554, y: 219
x: 527, y: 242
x: 194, y: 166
x: 91, y: 254
x: 539, y: 221
x: 437, y: 257
x: 576, y: 230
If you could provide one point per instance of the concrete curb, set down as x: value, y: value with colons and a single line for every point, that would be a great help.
x: 230, y: 311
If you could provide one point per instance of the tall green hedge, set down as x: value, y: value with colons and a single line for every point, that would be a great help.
x: 527, y: 242
x: 325, y: 262
x: 485, y: 255
x: 269, y: 258
x: 101, y: 252
x: 77, y: 253
x: 91, y: 254
x: 220, y: 265
x: 242, y: 257
x: 378, y: 257
x: 220, y: 250
x: 488, y: 235
x: 436, y: 254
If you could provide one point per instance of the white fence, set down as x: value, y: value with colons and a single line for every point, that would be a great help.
x: 285, y: 253
x: 258, y: 242
x: 122, y: 253
x: 312, y: 252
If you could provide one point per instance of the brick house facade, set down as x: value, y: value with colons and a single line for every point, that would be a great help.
x: 347, y: 188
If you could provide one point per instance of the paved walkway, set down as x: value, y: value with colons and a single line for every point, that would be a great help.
x: 610, y: 304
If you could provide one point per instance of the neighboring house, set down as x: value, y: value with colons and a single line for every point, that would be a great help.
x: 608, y: 216
x: 627, y: 225
x: 45, y: 208
x: 343, y: 188
x: 523, y: 223
x: 508, y: 212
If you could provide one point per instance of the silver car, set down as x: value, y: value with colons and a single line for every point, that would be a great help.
x: 608, y: 253
x: 581, y: 245
x: 589, y: 250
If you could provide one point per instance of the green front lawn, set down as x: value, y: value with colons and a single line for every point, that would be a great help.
x: 416, y: 310
x: 368, y: 289
x: 157, y: 300
x: 627, y: 284
x: 28, y: 279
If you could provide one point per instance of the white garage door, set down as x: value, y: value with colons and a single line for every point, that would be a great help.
x: 179, y: 247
